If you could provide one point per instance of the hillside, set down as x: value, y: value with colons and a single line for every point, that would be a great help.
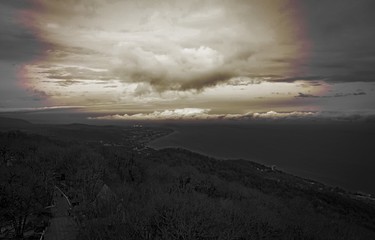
x: 121, y: 189
x: 13, y: 123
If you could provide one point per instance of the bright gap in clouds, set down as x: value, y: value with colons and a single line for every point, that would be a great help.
x: 170, y: 54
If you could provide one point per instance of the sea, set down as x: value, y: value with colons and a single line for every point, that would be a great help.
x: 338, y: 154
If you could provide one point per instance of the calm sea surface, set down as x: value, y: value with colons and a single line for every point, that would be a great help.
x: 336, y: 154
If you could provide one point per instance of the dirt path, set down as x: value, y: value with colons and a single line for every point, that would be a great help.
x: 62, y: 225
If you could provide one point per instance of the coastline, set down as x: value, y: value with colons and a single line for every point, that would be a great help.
x: 159, y: 144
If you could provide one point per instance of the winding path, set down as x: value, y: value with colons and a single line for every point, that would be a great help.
x: 62, y: 225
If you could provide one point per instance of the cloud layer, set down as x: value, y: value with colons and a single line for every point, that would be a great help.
x: 229, y: 56
x: 173, y: 45
x: 197, y: 114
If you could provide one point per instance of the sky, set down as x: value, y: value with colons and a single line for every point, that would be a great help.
x: 174, y: 59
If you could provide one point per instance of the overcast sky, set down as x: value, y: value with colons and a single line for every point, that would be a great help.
x: 172, y: 59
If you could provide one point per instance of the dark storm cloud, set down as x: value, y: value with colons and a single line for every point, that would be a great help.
x: 16, y: 4
x: 18, y: 46
x: 17, y: 43
x: 342, y: 36
x: 207, y: 80
x: 336, y: 95
x: 305, y: 95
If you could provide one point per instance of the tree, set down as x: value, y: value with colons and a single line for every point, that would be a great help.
x: 22, y: 194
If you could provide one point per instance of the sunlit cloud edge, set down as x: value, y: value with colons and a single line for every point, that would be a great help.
x: 201, y: 114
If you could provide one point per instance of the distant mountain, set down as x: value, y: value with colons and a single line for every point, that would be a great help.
x: 13, y: 123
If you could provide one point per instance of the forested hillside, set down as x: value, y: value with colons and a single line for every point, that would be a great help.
x: 124, y: 190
